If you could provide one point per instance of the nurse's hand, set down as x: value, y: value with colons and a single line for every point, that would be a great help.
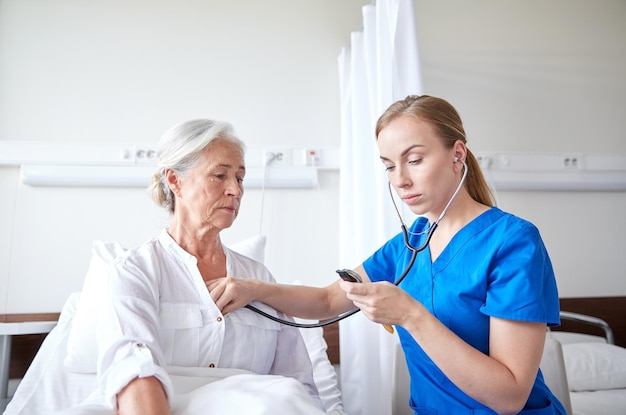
x: 232, y: 293
x: 381, y: 302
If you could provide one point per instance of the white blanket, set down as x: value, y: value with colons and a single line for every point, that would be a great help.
x: 222, y: 392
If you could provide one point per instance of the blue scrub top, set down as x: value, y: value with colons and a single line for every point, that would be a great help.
x: 497, y: 265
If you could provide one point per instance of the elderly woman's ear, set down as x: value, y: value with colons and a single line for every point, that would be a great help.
x: 173, y: 181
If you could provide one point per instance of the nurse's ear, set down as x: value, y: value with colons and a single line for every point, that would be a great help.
x: 460, y: 151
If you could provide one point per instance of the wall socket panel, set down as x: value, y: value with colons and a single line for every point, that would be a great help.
x: 311, y: 157
x: 140, y: 154
x: 292, y: 157
x: 543, y: 162
x: 277, y: 156
x: 572, y: 161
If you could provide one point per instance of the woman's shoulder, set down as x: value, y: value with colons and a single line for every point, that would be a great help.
x: 138, y: 255
x: 510, y: 228
x: 508, y: 220
x: 497, y: 217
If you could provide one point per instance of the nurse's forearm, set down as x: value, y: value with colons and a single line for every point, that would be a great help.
x: 305, y: 302
x: 501, y: 380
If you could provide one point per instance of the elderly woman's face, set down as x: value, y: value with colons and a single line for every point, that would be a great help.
x: 210, y: 193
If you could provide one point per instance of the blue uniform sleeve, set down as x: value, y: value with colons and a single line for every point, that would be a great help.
x: 521, y: 284
x: 383, y: 264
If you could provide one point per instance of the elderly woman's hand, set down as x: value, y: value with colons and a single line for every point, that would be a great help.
x: 232, y: 293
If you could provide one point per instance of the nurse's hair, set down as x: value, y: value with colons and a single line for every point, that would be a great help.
x: 180, y: 148
x: 447, y: 123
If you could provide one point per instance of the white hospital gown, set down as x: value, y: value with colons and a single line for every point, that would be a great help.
x: 161, y: 314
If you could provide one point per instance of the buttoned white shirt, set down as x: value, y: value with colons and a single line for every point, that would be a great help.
x: 159, y: 313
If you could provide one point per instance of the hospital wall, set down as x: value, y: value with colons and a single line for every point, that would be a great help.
x: 529, y: 76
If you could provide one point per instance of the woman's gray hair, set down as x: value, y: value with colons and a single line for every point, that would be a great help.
x: 180, y: 148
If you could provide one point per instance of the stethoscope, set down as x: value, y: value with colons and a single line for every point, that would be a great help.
x: 349, y: 275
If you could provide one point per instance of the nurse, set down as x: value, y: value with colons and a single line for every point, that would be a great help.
x: 472, y: 311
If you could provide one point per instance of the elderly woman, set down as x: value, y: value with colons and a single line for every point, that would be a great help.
x: 160, y: 312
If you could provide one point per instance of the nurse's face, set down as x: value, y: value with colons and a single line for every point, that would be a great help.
x: 210, y: 193
x: 418, y: 165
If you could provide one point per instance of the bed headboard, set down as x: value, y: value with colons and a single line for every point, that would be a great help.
x: 24, y: 347
x: 610, y: 309
x: 331, y: 335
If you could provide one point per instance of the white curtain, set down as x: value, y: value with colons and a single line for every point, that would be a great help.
x: 380, y: 66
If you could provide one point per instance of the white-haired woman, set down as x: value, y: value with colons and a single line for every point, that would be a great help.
x: 160, y: 312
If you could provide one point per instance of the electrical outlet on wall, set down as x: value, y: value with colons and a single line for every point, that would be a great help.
x: 572, y: 161
x: 312, y: 156
x: 307, y: 156
x: 277, y: 156
x: 144, y: 154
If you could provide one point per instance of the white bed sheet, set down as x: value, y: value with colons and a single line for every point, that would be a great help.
x: 601, y: 402
x: 47, y: 388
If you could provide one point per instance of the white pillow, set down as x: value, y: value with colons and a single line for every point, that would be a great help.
x: 253, y: 247
x: 595, y: 366
x: 82, y: 348
x: 324, y: 373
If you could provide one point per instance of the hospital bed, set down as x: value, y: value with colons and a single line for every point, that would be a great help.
x: 62, y: 373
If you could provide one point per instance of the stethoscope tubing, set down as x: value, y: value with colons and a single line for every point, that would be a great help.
x: 302, y: 325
